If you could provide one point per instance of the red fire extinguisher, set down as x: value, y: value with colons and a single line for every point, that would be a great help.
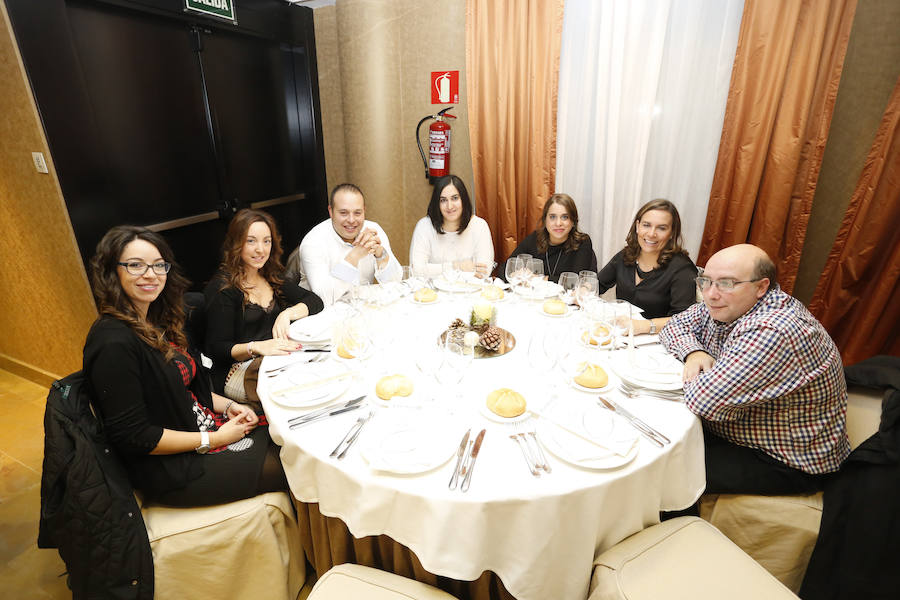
x: 438, y: 162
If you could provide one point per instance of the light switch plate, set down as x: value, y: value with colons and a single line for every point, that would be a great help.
x: 39, y: 163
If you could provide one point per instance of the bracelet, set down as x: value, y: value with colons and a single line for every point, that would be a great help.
x: 227, y: 406
x: 250, y: 350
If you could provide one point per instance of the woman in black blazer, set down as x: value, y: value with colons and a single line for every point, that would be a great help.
x: 182, y: 444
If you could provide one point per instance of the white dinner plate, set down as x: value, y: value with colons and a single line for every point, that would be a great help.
x: 408, y: 441
x: 593, y: 422
x: 542, y: 291
x: 653, y: 369
x: 317, y: 328
x: 334, y: 375
x: 456, y: 286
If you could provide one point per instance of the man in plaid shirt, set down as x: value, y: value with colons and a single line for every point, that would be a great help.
x: 764, y: 376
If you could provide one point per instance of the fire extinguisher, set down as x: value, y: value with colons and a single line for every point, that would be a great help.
x: 438, y: 162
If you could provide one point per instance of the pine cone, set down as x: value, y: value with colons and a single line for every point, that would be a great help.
x: 491, y: 338
x: 458, y: 324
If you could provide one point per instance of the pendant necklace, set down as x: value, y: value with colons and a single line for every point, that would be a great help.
x: 558, y: 256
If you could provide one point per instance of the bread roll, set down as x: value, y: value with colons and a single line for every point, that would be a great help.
x: 393, y: 385
x: 599, y: 332
x: 554, y: 307
x: 343, y: 352
x: 593, y: 377
x: 425, y: 295
x: 506, y: 403
x: 492, y: 292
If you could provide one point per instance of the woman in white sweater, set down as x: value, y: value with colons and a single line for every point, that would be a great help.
x: 450, y: 231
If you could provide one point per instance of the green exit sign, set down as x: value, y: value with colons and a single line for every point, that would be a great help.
x: 224, y: 9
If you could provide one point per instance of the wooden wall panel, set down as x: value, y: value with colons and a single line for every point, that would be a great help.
x: 46, y: 307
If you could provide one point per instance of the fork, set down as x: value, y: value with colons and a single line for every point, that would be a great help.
x: 634, y: 392
x: 520, y: 439
x: 538, y: 451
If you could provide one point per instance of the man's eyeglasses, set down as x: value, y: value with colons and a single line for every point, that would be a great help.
x: 724, y: 285
x: 138, y: 268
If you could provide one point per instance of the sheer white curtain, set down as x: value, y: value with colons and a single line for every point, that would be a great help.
x: 642, y: 91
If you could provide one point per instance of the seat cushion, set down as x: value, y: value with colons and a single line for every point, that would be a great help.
x: 683, y: 558
x: 244, y: 549
x: 346, y: 581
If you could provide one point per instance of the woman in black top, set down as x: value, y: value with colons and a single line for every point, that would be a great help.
x: 653, y: 271
x: 557, y: 240
x: 182, y: 444
x: 249, y: 307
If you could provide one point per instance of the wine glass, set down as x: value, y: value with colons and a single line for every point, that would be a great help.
x: 535, y: 273
x: 541, y: 356
x: 622, y: 325
x: 514, y: 267
x: 466, y: 268
x: 585, y: 289
x: 450, y: 272
x: 588, y: 273
x: 568, y: 281
x: 428, y: 360
x: 454, y: 365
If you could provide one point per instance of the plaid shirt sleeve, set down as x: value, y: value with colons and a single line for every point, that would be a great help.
x: 756, y: 366
x: 682, y: 334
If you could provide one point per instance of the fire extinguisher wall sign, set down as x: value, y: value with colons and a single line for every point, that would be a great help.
x: 445, y: 87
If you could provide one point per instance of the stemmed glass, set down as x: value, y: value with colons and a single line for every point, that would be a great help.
x: 535, y: 271
x: 569, y: 358
x: 514, y: 268
x: 586, y: 288
x: 451, y: 273
x: 541, y: 356
x: 622, y: 324
x: 568, y: 281
x: 454, y: 365
x: 428, y: 360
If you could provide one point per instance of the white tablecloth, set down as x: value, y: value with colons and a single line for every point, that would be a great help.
x: 539, y: 535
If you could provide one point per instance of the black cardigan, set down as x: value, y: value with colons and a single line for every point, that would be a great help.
x: 666, y: 291
x: 230, y: 322
x: 556, y: 259
x: 137, y: 394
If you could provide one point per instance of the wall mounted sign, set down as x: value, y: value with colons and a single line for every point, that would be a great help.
x: 445, y: 87
x: 222, y: 9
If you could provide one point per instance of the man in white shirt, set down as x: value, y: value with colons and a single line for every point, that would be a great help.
x: 346, y: 249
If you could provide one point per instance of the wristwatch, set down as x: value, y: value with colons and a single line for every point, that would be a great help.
x: 203, y: 448
x: 652, y: 327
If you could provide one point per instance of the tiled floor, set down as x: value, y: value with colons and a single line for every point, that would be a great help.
x: 26, y: 572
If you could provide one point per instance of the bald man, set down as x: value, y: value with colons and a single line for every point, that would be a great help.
x: 764, y: 376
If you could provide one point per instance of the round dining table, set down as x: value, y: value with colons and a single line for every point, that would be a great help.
x: 538, y: 533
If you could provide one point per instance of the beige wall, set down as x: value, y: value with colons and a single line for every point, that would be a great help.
x: 375, y: 60
x: 45, y: 303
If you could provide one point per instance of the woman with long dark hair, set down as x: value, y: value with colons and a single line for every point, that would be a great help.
x: 250, y: 306
x: 653, y: 271
x: 450, y: 231
x: 182, y: 444
x: 557, y: 240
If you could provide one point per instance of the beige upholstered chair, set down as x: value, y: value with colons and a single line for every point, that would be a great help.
x: 244, y: 549
x: 684, y: 558
x: 347, y: 581
x: 780, y: 532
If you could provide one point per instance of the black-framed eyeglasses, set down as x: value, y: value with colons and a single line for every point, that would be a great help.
x: 138, y: 268
x: 724, y: 285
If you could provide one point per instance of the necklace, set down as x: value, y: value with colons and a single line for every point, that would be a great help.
x: 558, y: 256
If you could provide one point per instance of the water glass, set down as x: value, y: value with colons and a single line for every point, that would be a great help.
x: 568, y: 281
x: 535, y: 271
x: 585, y: 289
x: 514, y: 267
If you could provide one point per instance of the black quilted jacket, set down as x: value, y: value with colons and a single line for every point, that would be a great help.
x: 88, y: 508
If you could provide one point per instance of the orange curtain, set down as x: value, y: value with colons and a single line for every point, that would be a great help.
x: 512, y: 69
x: 783, y: 87
x: 858, y: 295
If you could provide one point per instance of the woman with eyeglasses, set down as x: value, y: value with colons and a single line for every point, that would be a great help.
x: 557, y: 240
x: 250, y: 306
x: 450, y: 232
x: 182, y: 444
x: 653, y: 271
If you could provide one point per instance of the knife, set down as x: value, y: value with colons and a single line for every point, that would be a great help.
x: 360, y: 423
x: 468, y: 478
x: 322, y: 411
x: 459, y: 457
x: 649, y: 433
x: 325, y: 416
